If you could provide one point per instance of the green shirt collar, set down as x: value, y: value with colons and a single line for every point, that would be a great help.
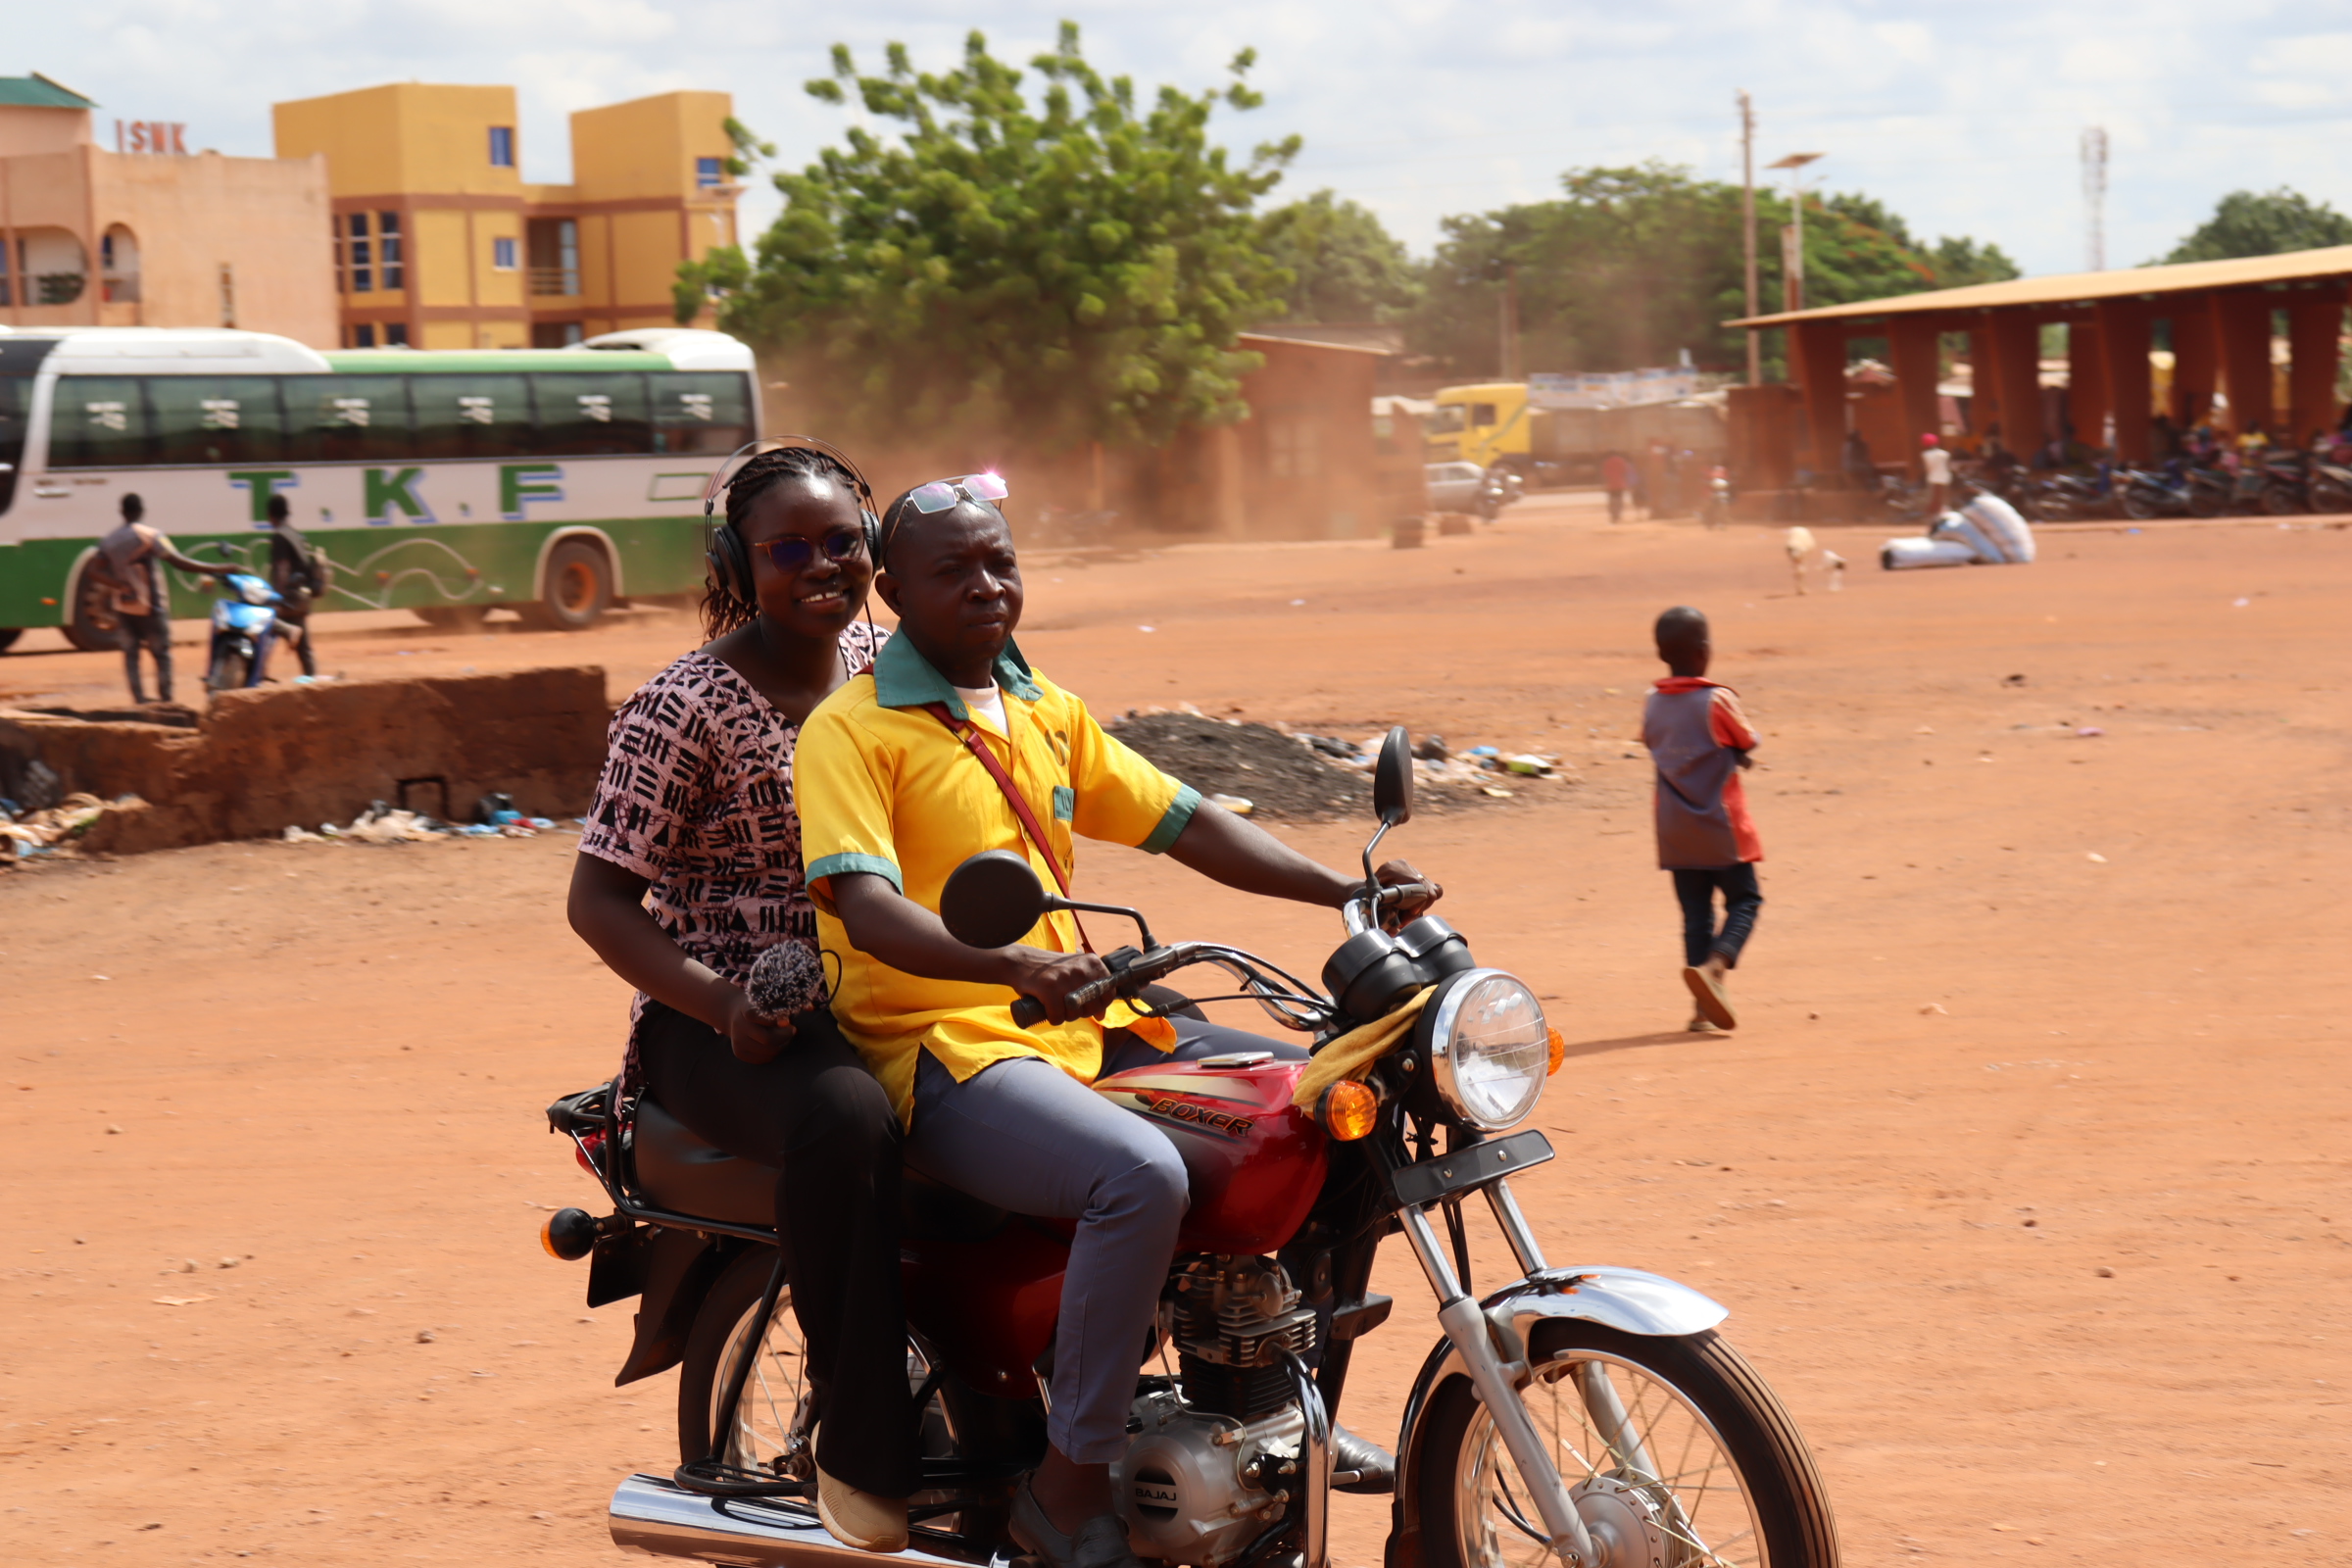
x: 905, y: 678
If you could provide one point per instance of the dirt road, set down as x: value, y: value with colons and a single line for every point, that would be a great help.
x: 2024, y: 1179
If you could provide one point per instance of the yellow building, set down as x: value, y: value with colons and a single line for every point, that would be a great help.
x: 151, y: 234
x: 439, y: 243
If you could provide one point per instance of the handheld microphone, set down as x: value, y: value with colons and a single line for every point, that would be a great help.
x: 788, y: 980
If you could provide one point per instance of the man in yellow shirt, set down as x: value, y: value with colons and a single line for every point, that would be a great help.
x: 892, y: 802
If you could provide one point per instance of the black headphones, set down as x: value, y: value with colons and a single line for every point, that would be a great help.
x: 730, y: 559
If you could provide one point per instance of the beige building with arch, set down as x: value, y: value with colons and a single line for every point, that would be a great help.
x: 95, y: 238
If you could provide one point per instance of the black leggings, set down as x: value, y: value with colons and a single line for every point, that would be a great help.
x: 818, y: 1117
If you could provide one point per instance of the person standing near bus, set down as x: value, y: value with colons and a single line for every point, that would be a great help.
x: 130, y: 562
x: 298, y: 571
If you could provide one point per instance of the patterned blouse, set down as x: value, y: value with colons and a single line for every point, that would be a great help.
x: 696, y: 797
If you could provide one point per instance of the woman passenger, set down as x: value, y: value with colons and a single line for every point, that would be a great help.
x: 695, y: 808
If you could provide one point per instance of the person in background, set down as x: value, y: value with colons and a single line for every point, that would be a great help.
x: 131, y: 562
x: 1860, y: 472
x: 1937, y: 465
x: 1701, y: 742
x: 1616, y: 477
x: 298, y: 571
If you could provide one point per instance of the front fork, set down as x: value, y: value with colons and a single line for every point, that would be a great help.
x: 1474, y: 1339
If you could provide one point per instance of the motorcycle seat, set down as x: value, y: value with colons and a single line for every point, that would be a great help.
x: 681, y: 1173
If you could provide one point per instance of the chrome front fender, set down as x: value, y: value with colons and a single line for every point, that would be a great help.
x: 1627, y: 1299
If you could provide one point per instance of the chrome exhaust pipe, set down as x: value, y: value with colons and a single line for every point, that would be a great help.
x: 663, y: 1519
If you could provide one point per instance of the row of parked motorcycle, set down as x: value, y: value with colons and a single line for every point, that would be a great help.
x: 2274, y: 482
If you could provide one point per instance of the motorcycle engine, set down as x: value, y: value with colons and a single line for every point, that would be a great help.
x: 1207, y: 1470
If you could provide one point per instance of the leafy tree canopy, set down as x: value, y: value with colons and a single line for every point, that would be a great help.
x: 1066, y: 267
x: 1344, y: 266
x: 1634, y: 265
x: 2244, y: 224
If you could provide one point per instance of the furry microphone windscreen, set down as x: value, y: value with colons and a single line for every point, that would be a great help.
x: 789, y: 979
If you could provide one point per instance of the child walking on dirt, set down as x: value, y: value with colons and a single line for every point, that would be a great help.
x: 1699, y: 741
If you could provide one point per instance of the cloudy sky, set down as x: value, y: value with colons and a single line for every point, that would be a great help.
x: 1966, y: 118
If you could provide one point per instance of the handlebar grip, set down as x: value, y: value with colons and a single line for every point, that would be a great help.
x: 1398, y: 892
x: 1028, y: 1012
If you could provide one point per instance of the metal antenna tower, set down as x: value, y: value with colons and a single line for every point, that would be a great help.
x: 2095, y: 194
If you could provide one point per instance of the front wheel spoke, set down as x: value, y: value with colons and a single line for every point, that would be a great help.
x: 1509, y: 1508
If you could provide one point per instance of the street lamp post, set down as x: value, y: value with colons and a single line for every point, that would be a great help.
x: 1793, y: 238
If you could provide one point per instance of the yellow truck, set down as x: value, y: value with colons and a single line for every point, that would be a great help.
x: 1493, y: 421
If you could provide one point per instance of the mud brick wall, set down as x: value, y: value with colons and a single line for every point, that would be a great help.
x: 264, y: 758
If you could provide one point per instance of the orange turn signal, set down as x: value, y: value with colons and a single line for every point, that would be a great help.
x: 1557, y: 1047
x: 1347, y: 1110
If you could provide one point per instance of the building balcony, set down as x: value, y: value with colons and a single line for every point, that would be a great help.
x: 554, y: 282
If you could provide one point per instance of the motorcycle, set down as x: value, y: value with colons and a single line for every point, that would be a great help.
x: 2285, y: 482
x: 244, y: 625
x: 2216, y: 491
x: 2145, y: 494
x: 2330, y: 486
x: 2069, y: 497
x: 1590, y: 1414
x: 1498, y: 489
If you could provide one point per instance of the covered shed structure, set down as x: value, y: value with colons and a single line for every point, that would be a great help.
x: 2222, y: 316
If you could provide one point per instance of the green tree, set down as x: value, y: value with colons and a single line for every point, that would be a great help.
x: 1636, y: 265
x: 1958, y: 263
x: 2244, y: 224
x: 1343, y: 265
x: 721, y: 271
x: 1065, y: 269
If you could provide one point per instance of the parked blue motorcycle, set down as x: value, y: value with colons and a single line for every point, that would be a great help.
x: 244, y: 628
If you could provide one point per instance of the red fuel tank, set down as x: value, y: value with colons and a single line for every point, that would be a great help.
x: 1257, y: 1163
x: 989, y: 1298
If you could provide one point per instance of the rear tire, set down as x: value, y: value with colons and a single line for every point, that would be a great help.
x: 576, y: 591
x: 9, y: 636
x: 1698, y: 1409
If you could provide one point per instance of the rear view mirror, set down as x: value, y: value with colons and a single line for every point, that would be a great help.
x: 1393, y: 779
x: 992, y: 900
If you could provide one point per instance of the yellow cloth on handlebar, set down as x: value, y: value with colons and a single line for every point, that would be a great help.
x: 1352, y: 1055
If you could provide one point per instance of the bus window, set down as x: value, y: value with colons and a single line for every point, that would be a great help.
x: 701, y: 413
x: 472, y: 416
x: 98, y: 421
x: 216, y: 418
x: 16, y: 411
x: 583, y: 414
x: 346, y: 418
x: 1482, y: 414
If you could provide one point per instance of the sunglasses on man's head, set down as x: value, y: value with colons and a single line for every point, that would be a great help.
x: 940, y: 493
x: 794, y: 553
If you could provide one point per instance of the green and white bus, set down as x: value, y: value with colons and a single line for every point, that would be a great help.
x: 557, y: 481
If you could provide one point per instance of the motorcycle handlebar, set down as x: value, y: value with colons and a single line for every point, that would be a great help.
x: 1028, y: 1012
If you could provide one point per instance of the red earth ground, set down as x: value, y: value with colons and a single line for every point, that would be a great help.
x: 2025, y: 1178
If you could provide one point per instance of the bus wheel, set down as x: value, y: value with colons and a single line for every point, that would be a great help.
x: 453, y: 617
x: 578, y: 589
x: 92, y: 626
x: 9, y: 636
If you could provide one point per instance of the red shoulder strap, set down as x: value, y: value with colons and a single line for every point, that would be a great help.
x: 973, y: 743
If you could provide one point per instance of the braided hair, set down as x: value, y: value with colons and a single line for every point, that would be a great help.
x: 722, y: 610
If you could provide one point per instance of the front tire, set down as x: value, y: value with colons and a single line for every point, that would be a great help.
x: 230, y: 670
x: 1709, y: 1471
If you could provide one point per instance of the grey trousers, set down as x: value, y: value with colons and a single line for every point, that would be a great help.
x: 1026, y: 1136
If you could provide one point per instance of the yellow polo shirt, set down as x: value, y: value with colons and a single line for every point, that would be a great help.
x: 883, y: 787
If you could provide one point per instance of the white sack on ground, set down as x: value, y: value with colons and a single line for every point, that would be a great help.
x: 1901, y: 555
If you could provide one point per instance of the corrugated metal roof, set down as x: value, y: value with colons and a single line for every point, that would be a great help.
x: 37, y: 91
x: 2079, y: 288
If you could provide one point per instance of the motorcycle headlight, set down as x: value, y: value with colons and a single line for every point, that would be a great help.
x: 1488, y: 1049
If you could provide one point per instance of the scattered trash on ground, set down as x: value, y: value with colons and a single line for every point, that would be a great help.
x: 27, y: 831
x: 384, y: 824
